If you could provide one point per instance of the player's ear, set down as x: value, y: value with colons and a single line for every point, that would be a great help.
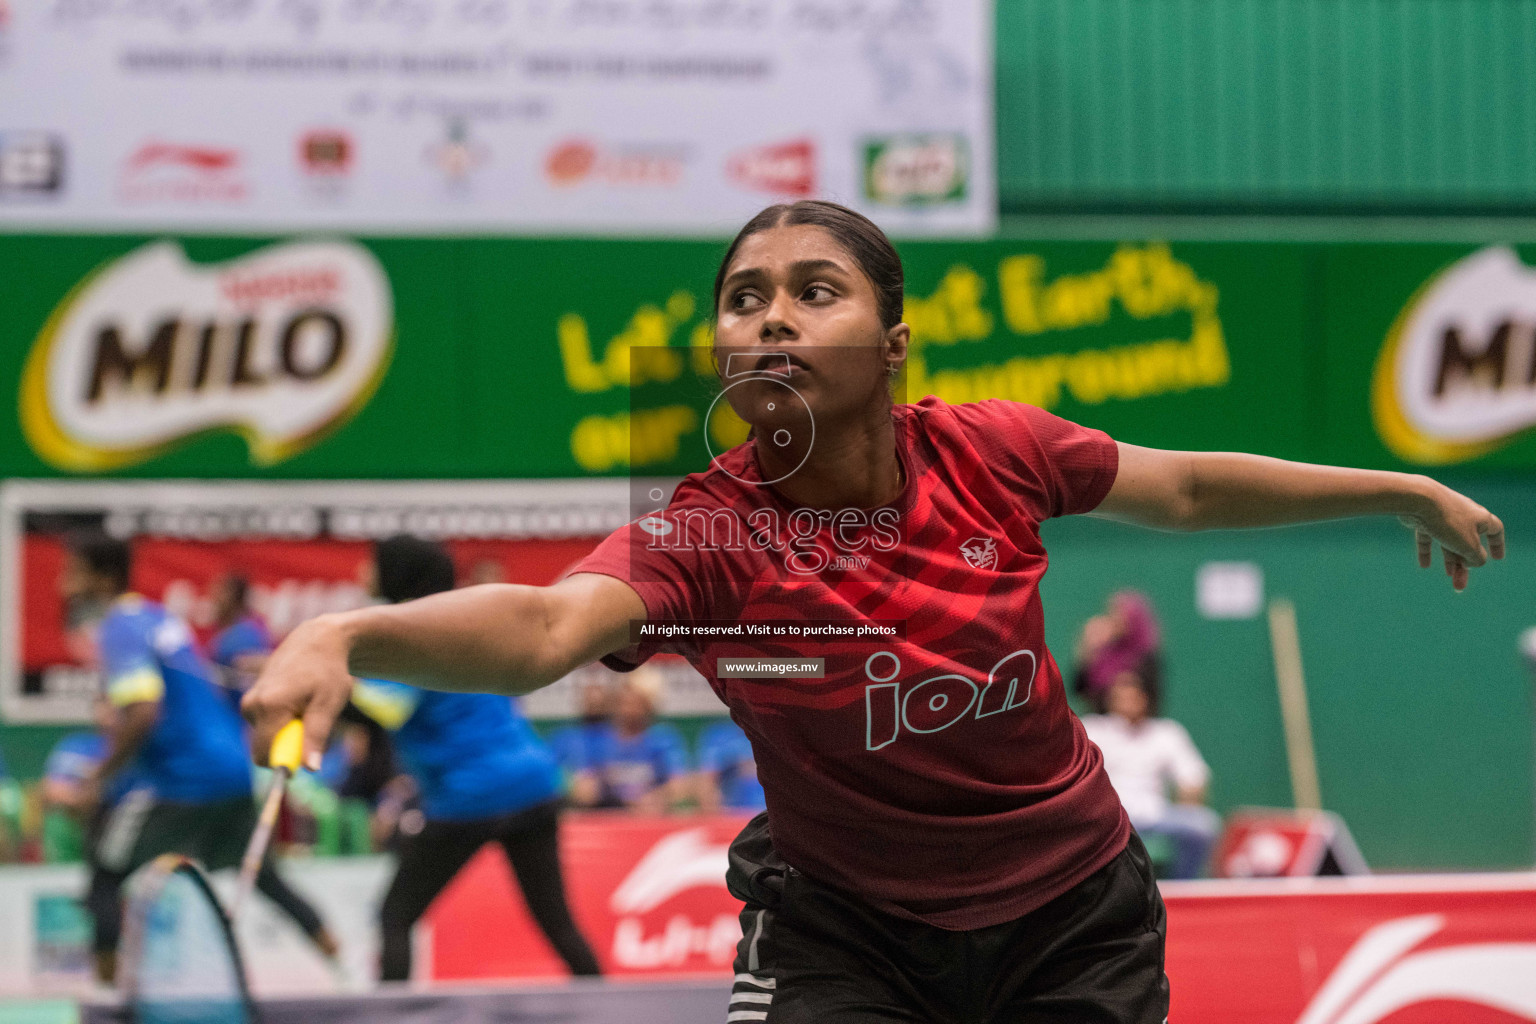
x: 896, y: 343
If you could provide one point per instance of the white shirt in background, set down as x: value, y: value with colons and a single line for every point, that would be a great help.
x: 1145, y: 760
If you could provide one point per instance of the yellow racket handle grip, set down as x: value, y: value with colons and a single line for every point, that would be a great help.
x: 288, y: 747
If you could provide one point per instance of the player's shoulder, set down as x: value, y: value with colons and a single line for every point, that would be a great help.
x: 987, y: 419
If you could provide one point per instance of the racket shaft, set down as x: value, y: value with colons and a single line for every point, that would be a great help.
x: 256, y: 850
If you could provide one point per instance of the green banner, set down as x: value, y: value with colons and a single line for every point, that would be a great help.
x: 424, y: 358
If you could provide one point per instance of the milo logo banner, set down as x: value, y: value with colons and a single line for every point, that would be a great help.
x: 415, y: 358
x: 279, y: 346
x: 1456, y: 378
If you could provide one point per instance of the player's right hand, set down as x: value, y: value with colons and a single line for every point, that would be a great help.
x: 305, y: 678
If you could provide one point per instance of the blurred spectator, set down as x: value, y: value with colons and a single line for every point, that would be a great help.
x: 727, y: 776
x: 70, y: 812
x: 633, y: 761
x: 576, y: 745
x: 1124, y: 638
x: 241, y: 643
x: 1145, y: 756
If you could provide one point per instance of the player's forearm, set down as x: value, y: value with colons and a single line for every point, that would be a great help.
x: 1232, y: 491
x: 486, y: 638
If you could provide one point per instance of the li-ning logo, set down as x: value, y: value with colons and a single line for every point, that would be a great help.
x: 280, y: 346
x: 980, y: 552
x: 1388, y: 970
x: 938, y: 703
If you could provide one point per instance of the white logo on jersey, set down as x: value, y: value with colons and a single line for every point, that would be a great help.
x: 981, y: 552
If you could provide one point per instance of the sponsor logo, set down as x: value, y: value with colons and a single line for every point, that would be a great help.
x: 458, y: 155
x: 280, y: 347
x: 326, y: 153
x: 31, y: 164
x: 787, y: 168
x: 181, y: 173
x: 677, y: 863
x: 1388, y: 970
x: 580, y: 161
x: 980, y: 552
x: 1456, y: 378
x: 935, y: 704
x: 916, y: 170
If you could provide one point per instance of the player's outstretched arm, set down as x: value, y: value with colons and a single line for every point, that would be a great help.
x: 496, y: 638
x: 1222, y: 490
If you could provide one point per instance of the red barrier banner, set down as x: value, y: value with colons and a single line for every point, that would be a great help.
x: 649, y: 894
x: 1454, y: 949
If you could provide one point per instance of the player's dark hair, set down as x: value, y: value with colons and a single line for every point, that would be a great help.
x: 104, y: 556
x: 410, y: 567
x: 856, y: 233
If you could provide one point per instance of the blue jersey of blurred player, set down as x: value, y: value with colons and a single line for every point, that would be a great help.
x: 728, y: 770
x: 484, y: 777
x: 178, y: 734
x: 241, y: 641
x: 632, y: 760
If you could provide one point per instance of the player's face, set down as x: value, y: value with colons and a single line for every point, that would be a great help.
x: 1127, y: 699
x: 796, y: 308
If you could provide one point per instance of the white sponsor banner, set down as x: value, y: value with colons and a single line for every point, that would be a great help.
x: 675, y: 116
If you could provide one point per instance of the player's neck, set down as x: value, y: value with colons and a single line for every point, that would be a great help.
x: 852, y: 467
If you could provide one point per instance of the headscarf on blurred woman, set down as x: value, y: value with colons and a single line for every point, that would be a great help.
x: 1125, y: 638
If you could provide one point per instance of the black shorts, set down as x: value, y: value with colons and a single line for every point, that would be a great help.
x: 812, y: 954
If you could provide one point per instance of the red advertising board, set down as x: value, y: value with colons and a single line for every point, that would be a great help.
x: 649, y: 894
x: 291, y: 580
x: 1453, y: 949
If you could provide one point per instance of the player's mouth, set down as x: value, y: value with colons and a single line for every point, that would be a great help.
x: 781, y: 364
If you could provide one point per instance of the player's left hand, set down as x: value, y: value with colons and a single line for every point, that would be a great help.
x: 1461, y: 526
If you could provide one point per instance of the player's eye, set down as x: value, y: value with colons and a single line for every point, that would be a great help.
x: 819, y: 293
x: 745, y: 299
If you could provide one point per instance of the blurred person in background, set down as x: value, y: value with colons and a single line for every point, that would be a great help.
x: 633, y: 761
x: 173, y: 727
x: 241, y: 641
x: 575, y: 745
x: 72, y: 809
x: 727, y: 775
x: 483, y: 775
x: 1126, y: 637
x: 1146, y: 758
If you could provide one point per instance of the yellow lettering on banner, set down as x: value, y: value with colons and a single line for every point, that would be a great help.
x: 1147, y: 282
x: 650, y: 329
x: 953, y: 312
x: 644, y: 438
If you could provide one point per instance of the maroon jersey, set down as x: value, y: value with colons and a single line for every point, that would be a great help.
x: 941, y: 776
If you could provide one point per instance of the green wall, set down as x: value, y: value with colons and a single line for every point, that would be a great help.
x: 1421, y: 707
x: 1283, y: 105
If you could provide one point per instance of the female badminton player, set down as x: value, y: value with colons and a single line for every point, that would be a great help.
x: 941, y: 842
